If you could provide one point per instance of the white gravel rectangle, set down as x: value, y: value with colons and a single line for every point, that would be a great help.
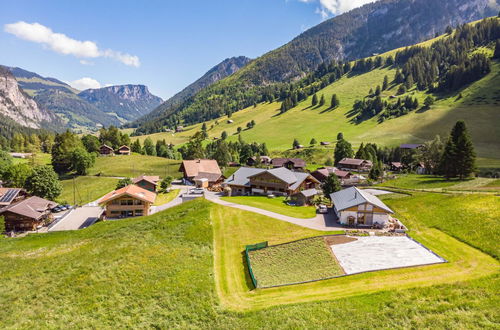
x: 382, y: 252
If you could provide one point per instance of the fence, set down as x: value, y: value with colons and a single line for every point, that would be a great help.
x: 249, y: 248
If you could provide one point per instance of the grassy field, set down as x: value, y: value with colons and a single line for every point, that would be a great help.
x: 437, y: 183
x: 37, y: 159
x: 87, y: 189
x: 164, y: 198
x: 295, y: 262
x: 277, y: 205
x: 135, y: 165
x: 157, y: 271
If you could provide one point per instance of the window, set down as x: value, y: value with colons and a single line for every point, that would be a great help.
x: 361, y: 207
x: 369, y: 207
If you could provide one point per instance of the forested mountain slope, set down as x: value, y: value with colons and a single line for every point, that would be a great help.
x: 218, y: 72
x: 373, y: 28
x: 477, y: 102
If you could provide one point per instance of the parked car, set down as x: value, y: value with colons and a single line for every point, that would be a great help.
x: 56, y: 209
x: 322, y: 209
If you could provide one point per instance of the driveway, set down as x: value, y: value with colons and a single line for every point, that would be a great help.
x: 176, y: 201
x: 322, y: 222
x: 79, y: 218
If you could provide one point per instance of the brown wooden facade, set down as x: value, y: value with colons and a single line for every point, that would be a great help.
x: 268, y: 183
x: 16, y: 222
x: 126, y: 206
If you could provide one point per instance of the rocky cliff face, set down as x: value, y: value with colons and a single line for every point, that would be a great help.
x: 18, y: 106
x: 126, y: 101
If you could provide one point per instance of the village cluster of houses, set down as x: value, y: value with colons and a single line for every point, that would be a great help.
x: 106, y: 150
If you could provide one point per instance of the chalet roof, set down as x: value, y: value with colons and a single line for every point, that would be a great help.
x: 297, y: 162
x: 7, y: 195
x: 106, y: 147
x: 353, y: 196
x: 124, y: 147
x: 410, y: 145
x: 191, y: 168
x: 294, y: 179
x: 352, y: 161
x: 211, y: 177
x: 132, y: 191
x: 153, y: 179
x: 396, y: 164
x: 309, y: 192
x: 33, y: 207
x: 241, y: 176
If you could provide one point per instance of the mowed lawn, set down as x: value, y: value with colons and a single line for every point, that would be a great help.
x: 37, y: 159
x: 135, y: 165
x: 294, y: 262
x: 86, y: 189
x: 158, y: 272
x: 417, y: 181
x: 277, y: 205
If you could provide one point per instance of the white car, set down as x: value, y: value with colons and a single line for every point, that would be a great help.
x: 322, y: 209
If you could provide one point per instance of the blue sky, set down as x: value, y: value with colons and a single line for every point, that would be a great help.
x: 163, y: 44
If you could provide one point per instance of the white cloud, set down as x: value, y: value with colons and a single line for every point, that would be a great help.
x: 85, y: 83
x: 85, y: 62
x: 62, y: 44
x: 336, y: 7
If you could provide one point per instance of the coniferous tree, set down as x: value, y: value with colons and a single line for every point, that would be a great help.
x: 385, y: 84
x: 378, y: 91
x: 295, y: 143
x: 496, y: 54
x: 464, y: 151
x: 335, y: 101
x: 313, y: 141
x: 331, y: 185
x: 340, y: 136
x: 322, y: 100
x: 136, y: 146
x: 314, y: 101
x: 343, y: 149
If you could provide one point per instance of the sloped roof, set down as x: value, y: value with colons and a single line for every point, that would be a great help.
x: 353, y: 196
x: 124, y: 147
x: 351, y: 161
x: 132, y: 191
x: 153, y: 179
x: 297, y: 162
x: 105, y: 146
x: 7, y: 195
x: 283, y: 174
x: 241, y: 176
x: 309, y: 192
x: 326, y: 171
x: 193, y: 167
x: 33, y: 207
x: 211, y: 177
x: 301, y: 177
x: 410, y: 145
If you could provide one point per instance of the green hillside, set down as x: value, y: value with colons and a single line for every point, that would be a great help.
x: 479, y: 106
x: 183, y: 268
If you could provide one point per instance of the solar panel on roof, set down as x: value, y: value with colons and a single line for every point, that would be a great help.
x: 9, y: 195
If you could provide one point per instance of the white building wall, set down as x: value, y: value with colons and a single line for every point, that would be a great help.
x: 344, y: 215
x: 380, y: 218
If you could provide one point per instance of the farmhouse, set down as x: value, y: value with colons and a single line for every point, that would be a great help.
x: 323, y: 172
x: 147, y: 182
x: 264, y: 160
x: 129, y: 201
x: 289, y: 163
x: 356, y: 207
x: 106, y: 150
x: 396, y: 166
x: 27, y: 214
x: 354, y: 164
x: 198, y: 169
x: 124, y: 150
x: 305, y: 197
x: 277, y: 181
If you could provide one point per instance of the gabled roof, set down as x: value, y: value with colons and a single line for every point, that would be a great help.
x: 211, y: 177
x: 124, y: 147
x: 297, y: 162
x: 301, y: 177
x: 326, y: 171
x: 241, y: 176
x: 353, y: 161
x: 132, y: 191
x: 153, y: 179
x: 309, y: 192
x: 33, y: 207
x: 192, y: 167
x: 353, y: 196
x: 106, y: 147
x: 410, y: 145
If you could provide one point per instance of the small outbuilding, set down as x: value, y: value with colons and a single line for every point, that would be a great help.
x: 106, y: 150
x: 148, y: 182
x: 124, y: 150
x: 304, y: 197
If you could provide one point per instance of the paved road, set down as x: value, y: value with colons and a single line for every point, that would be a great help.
x: 323, y: 222
x: 176, y: 201
x: 81, y: 217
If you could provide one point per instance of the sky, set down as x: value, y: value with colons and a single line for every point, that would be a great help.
x: 165, y: 45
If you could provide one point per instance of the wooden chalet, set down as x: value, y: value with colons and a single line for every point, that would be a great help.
x: 354, y: 164
x: 106, y: 150
x: 124, y: 150
x: 323, y: 172
x: 148, y: 182
x: 27, y: 214
x: 198, y: 169
x: 129, y: 201
x: 289, y: 163
x: 264, y: 160
x: 10, y: 196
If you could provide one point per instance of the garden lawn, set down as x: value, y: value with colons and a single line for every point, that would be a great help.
x: 299, y: 261
x: 37, y: 159
x: 164, y: 198
x: 87, y: 189
x: 277, y: 205
x: 417, y: 181
x: 135, y: 165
